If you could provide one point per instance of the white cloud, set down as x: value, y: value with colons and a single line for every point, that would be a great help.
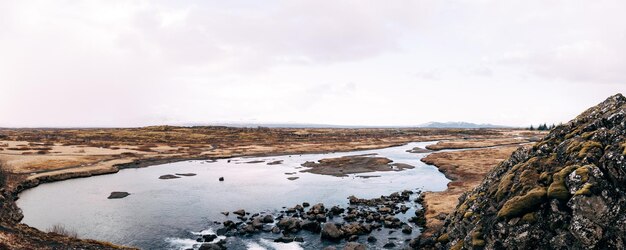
x: 131, y: 63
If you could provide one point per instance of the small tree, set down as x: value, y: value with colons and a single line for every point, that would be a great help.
x: 531, y: 127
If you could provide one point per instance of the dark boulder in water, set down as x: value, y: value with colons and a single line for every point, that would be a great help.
x: 330, y: 231
x: 168, y: 176
x: 118, y: 195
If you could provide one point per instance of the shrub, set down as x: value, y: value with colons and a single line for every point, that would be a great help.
x: 62, y: 230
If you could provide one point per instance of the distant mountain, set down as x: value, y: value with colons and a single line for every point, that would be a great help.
x: 458, y: 125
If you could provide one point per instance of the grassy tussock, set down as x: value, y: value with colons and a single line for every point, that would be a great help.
x: 62, y: 230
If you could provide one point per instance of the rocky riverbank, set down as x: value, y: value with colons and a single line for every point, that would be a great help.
x: 38, y: 156
x: 385, y: 222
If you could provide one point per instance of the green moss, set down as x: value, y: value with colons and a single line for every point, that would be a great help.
x: 573, y: 147
x: 583, y: 172
x: 463, y: 207
x: 588, y: 146
x: 523, y: 204
x: 573, y: 133
x: 504, y: 186
x: 585, y: 190
x: 528, y: 178
x: 529, y: 218
x: 477, y: 239
x: 458, y: 245
x: 557, y: 189
x: 444, y: 238
x: 545, y: 177
x: 588, y: 135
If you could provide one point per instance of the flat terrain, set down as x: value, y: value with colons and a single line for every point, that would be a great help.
x: 33, y: 156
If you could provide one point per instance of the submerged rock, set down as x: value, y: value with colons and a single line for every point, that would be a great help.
x: 186, y: 174
x: 168, y: 176
x: 354, y: 246
x: 118, y: 195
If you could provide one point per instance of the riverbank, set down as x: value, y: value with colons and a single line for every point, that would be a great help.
x: 38, y: 156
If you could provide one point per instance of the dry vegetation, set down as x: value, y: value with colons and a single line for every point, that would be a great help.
x: 32, y: 156
x: 38, y: 153
x: 62, y: 230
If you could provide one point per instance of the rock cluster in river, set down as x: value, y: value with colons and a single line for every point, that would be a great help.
x: 333, y: 224
x: 568, y: 191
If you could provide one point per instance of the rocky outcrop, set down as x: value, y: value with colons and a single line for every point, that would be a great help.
x: 568, y: 191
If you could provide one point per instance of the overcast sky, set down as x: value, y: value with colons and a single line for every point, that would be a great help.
x: 136, y: 63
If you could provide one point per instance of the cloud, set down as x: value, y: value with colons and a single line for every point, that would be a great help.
x: 132, y: 63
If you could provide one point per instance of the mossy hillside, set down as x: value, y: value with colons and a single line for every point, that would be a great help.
x: 528, y: 202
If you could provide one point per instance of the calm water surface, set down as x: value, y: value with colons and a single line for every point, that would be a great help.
x: 169, y: 214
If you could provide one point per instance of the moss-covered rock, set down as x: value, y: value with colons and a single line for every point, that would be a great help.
x: 529, y: 218
x: 458, y: 245
x: 444, y: 238
x: 583, y: 172
x: 565, y: 192
x: 557, y: 189
x: 585, y: 190
x: 520, y: 205
x: 477, y: 239
x: 588, y: 146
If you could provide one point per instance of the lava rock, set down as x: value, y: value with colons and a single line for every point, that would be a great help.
x: 118, y: 195
x: 330, y: 231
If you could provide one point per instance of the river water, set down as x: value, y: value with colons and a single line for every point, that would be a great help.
x: 170, y: 214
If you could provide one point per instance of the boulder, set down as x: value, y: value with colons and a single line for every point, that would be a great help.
x: 118, y: 195
x: 330, y: 231
x: 312, y: 226
x: 354, y: 246
x: 240, y: 212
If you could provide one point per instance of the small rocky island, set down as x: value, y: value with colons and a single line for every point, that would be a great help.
x: 356, y: 164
